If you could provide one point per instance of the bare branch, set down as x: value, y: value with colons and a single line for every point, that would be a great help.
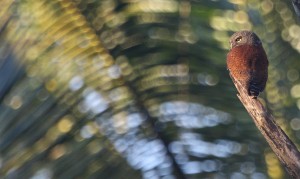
x: 280, y: 143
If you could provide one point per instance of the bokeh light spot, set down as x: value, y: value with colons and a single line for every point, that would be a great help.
x: 295, y: 91
x: 65, y: 124
x: 57, y: 152
x: 51, y: 85
x: 295, y: 124
x: 76, y: 83
x: 267, y: 6
x: 16, y: 102
x: 43, y: 173
x: 294, y: 31
x: 240, y: 17
x: 293, y: 75
x: 87, y: 131
x: 114, y: 71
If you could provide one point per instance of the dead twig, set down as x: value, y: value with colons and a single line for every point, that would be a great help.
x: 280, y: 143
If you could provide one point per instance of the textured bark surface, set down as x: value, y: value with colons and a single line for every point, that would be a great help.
x: 280, y: 143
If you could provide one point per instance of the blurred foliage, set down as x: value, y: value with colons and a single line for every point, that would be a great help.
x: 139, y: 88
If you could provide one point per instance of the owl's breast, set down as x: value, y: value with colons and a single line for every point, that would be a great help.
x: 246, y: 60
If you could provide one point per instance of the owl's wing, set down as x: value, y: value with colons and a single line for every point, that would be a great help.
x: 258, y: 76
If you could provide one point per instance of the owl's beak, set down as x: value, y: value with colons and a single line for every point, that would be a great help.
x: 230, y: 45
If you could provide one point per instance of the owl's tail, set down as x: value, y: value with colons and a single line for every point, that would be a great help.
x: 254, y: 89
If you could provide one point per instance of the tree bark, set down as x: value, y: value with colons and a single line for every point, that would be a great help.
x: 280, y: 143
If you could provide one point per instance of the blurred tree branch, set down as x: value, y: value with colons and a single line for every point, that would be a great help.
x: 280, y: 143
x: 296, y: 4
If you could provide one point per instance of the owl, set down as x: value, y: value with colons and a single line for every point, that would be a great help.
x: 247, y: 62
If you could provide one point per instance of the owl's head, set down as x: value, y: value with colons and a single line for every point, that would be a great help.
x: 244, y: 38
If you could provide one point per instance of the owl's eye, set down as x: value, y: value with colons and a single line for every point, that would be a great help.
x: 238, y: 39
